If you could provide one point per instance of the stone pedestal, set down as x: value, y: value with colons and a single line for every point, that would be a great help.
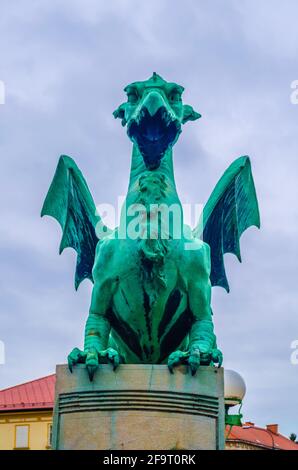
x: 139, y: 407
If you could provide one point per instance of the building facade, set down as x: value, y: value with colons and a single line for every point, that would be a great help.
x: 26, y: 415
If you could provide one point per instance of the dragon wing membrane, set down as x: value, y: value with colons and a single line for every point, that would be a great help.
x: 230, y: 210
x: 70, y: 202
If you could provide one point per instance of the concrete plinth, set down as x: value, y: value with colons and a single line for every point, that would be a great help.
x: 139, y: 407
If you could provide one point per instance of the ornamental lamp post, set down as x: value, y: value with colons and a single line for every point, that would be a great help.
x: 234, y: 391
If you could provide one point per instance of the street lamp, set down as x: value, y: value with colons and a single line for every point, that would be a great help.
x: 234, y: 392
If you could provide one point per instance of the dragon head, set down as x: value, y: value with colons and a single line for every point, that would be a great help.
x: 154, y: 114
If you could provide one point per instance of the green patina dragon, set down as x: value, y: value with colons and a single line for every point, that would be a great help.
x: 152, y: 288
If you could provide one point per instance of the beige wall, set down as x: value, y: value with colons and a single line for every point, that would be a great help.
x: 39, y: 427
x: 237, y: 445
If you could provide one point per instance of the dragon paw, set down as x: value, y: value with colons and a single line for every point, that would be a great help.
x: 194, y: 358
x: 92, y: 358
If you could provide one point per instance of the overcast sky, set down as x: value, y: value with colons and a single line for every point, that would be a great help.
x: 64, y: 65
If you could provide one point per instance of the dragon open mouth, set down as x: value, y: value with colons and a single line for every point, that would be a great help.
x: 154, y: 135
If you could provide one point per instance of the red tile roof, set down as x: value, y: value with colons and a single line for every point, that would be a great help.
x: 251, y: 434
x: 36, y: 394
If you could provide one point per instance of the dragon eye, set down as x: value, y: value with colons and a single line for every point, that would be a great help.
x: 132, y: 97
x: 175, y: 96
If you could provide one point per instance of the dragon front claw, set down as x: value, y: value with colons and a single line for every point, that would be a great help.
x: 194, y: 358
x: 92, y: 358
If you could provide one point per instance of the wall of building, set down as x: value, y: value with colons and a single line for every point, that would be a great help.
x: 232, y: 445
x: 39, y: 423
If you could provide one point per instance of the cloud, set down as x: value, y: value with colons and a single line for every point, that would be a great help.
x: 64, y: 65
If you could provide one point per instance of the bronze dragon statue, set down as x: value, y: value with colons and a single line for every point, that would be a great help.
x: 152, y: 280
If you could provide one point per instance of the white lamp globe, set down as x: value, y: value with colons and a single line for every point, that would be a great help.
x: 235, y: 388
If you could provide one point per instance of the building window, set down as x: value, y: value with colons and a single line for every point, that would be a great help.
x: 22, y: 437
x: 50, y: 429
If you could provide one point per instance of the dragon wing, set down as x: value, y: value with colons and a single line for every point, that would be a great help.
x: 70, y: 202
x: 230, y: 210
